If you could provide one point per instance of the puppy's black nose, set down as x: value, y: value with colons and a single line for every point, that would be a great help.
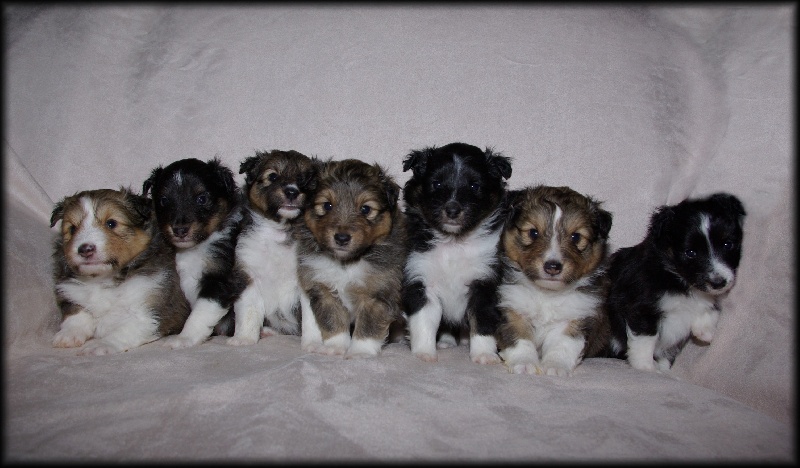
x: 453, y: 209
x: 552, y: 267
x: 180, y: 231
x: 86, y: 250
x: 717, y: 282
x: 291, y: 193
x: 342, y: 239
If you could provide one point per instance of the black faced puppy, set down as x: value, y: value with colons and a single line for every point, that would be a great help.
x: 198, y: 209
x: 350, y: 259
x: 115, y: 278
x: 667, y: 288
x: 453, y: 205
x: 265, y: 249
x: 554, y: 248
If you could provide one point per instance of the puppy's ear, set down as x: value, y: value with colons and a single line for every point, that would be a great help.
x: 510, y: 204
x: 416, y: 161
x: 730, y: 204
x: 151, y: 181
x: 58, y: 213
x: 307, y: 181
x: 661, y: 225
x: 139, y: 204
x: 225, y: 176
x: 499, y: 165
x: 248, y: 166
x: 602, y: 220
x: 390, y: 187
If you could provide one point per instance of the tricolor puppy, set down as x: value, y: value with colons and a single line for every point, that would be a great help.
x: 668, y: 287
x: 115, y: 278
x: 453, y: 206
x: 554, y: 246
x: 350, y: 259
x: 198, y: 209
x: 265, y: 249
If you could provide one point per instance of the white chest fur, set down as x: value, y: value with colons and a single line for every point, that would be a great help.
x: 684, y: 314
x: 191, y: 263
x: 340, y: 277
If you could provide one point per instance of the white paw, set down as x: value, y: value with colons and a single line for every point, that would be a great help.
x: 644, y: 364
x: 98, y: 348
x: 240, y: 341
x: 663, y: 364
x: 553, y: 369
x: 67, y: 339
x: 328, y: 350
x: 704, y: 335
x: 427, y: 357
x: 179, y: 342
x: 446, y: 341
x: 522, y: 368
x: 268, y: 331
x: 486, y: 358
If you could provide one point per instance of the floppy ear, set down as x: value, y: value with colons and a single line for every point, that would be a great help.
x: 224, y: 175
x: 390, y: 187
x: 140, y: 205
x: 499, y: 165
x: 247, y: 167
x: 307, y: 181
x: 510, y: 204
x: 602, y: 220
x: 730, y: 204
x: 416, y: 160
x: 661, y: 225
x: 58, y: 213
x: 150, y: 182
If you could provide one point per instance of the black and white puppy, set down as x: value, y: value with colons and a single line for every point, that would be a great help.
x: 554, y: 248
x: 265, y: 249
x: 667, y: 288
x: 198, y: 209
x: 115, y: 277
x: 351, y: 252
x: 453, y: 206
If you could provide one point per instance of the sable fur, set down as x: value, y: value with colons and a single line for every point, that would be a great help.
x: 453, y: 205
x: 668, y: 287
x: 198, y: 209
x: 351, y: 248
x: 115, y: 277
x: 265, y: 249
x: 554, y: 249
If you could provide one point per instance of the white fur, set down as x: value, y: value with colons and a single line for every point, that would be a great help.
x: 717, y: 266
x: 117, y: 316
x: 268, y: 255
x: 549, y: 313
x: 640, y: 351
x: 447, y: 270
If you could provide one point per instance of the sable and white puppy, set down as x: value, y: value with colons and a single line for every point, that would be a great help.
x: 453, y: 206
x: 350, y: 259
x: 668, y: 287
x: 265, y: 249
x: 115, y: 278
x: 198, y: 208
x: 554, y: 246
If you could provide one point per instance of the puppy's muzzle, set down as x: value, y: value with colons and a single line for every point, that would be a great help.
x: 553, y: 267
x: 452, y: 209
x: 87, y: 250
x: 180, y: 231
x: 342, y: 239
x: 291, y: 193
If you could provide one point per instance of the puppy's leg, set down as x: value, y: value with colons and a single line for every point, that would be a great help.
x: 704, y: 325
x: 332, y: 320
x: 640, y: 351
x: 75, y: 330
x: 561, y: 349
x: 424, y: 316
x: 484, y: 319
x: 519, y: 351
x: 310, y: 334
x: 372, y: 323
x: 249, y: 313
x: 122, y: 330
x: 198, y: 327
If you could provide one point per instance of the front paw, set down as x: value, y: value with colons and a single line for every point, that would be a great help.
x: 522, y: 368
x: 446, y: 341
x: 328, y: 350
x: 486, y: 358
x: 427, y: 357
x: 98, y: 348
x: 648, y: 365
x: 553, y: 369
x: 179, y: 342
x: 68, y: 339
x: 240, y: 341
x: 704, y: 335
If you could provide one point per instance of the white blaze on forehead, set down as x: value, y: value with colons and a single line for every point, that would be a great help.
x: 90, y: 230
x: 178, y: 177
x: 554, y: 252
x: 717, y: 265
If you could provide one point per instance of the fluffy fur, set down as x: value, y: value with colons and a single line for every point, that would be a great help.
x: 115, y: 278
x: 197, y: 207
x: 554, y: 246
x: 668, y: 287
x: 453, y: 205
x: 350, y: 259
x: 265, y: 249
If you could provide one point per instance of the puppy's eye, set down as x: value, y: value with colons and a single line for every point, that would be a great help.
x: 202, y: 199
x: 111, y: 223
x: 272, y: 177
x: 690, y: 253
x: 327, y: 206
x: 72, y: 230
x: 365, y: 209
x: 727, y: 246
x: 576, y: 237
x: 436, y: 185
x: 163, y: 201
x: 534, y: 233
x: 475, y: 186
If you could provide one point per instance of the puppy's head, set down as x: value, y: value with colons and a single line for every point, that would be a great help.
x: 555, y: 235
x: 102, y: 230
x: 351, y: 208
x: 700, y: 240
x: 456, y: 186
x: 273, y: 182
x: 191, y: 198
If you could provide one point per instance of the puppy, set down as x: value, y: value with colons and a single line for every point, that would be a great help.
x: 265, y: 249
x: 453, y: 206
x: 554, y: 246
x: 115, y: 278
x: 198, y: 209
x: 668, y: 287
x: 351, y: 251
